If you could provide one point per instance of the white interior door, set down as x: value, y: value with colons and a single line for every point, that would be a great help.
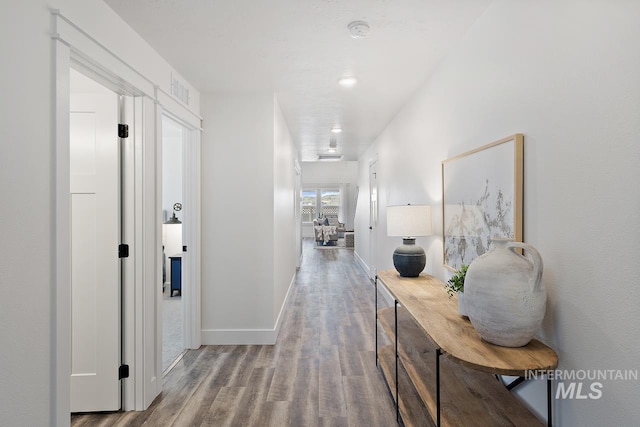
x: 95, y: 274
x: 373, y: 219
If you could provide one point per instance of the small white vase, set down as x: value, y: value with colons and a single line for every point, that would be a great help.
x: 505, y: 297
x: 462, y: 309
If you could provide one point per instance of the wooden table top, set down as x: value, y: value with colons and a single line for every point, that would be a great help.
x: 426, y: 299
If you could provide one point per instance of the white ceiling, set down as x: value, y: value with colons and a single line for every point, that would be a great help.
x: 299, y: 48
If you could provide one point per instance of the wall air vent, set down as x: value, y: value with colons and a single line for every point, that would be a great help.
x: 334, y: 157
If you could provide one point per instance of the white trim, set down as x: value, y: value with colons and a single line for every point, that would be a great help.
x: 61, y: 312
x: 152, y: 223
x: 110, y: 63
x: 72, y: 35
x: 191, y: 230
x: 129, y: 312
x: 137, y: 370
x: 363, y: 264
x: 192, y: 119
x: 192, y: 238
x: 284, y: 305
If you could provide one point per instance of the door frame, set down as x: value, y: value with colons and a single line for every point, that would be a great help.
x: 190, y: 231
x: 72, y: 46
x: 373, y: 218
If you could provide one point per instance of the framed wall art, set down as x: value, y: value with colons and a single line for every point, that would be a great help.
x: 482, y: 198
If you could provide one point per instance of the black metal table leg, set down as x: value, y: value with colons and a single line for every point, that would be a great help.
x: 438, y: 354
x: 549, y: 401
x: 396, y: 334
x: 376, y: 310
x: 515, y: 383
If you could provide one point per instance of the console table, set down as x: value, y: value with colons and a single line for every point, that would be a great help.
x: 437, y: 367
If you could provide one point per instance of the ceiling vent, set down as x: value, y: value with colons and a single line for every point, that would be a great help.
x: 329, y: 157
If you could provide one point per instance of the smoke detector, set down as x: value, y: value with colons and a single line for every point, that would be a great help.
x: 359, y: 29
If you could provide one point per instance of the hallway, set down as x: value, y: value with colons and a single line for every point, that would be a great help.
x: 321, y: 372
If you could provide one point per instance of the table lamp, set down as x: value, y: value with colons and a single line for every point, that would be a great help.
x: 409, y: 222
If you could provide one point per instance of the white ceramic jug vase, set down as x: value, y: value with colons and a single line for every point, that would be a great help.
x: 504, y: 294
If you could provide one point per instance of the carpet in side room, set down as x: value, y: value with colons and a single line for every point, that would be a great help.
x: 172, y: 340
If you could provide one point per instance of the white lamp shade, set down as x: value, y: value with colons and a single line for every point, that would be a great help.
x: 409, y: 220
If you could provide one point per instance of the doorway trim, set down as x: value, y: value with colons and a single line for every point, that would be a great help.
x: 191, y: 231
x: 373, y: 217
x: 192, y: 235
x: 72, y: 45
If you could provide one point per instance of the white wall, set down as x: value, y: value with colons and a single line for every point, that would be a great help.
x: 329, y: 172
x: 27, y: 173
x: 247, y: 191
x: 237, y: 212
x: 284, y: 213
x: 565, y: 75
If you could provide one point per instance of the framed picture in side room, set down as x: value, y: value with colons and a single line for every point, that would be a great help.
x: 482, y: 199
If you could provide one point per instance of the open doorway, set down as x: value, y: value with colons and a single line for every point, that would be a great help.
x: 373, y: 219
x: 173, y: 308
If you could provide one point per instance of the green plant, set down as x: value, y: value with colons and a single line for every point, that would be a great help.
x: 456, y: 283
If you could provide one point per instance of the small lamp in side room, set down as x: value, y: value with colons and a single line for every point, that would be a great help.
x: 174, y: 219
x: 409, y: 222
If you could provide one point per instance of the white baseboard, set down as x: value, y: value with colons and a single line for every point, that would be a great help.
x: 362, y: 264
x: 282, y: 308
x: 247, y: 336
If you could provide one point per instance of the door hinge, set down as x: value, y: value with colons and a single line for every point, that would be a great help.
x: 123, y: 251
x: 184, y: 249
x: 123, y: 131
x: 123, y: 372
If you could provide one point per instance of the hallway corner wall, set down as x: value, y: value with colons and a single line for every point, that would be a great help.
x: 238, y: 217
x: 284, y: 212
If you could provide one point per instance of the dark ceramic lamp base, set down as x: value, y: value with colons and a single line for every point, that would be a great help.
x: 409, y: 259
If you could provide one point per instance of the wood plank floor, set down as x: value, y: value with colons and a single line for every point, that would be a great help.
x: 321, y: 372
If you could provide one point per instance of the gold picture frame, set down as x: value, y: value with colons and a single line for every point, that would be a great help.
x: 482, y: 199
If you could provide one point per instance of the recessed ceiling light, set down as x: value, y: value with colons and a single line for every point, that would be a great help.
x: 336, y: 130
x: 359, y: 29
x: 347, y: 81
